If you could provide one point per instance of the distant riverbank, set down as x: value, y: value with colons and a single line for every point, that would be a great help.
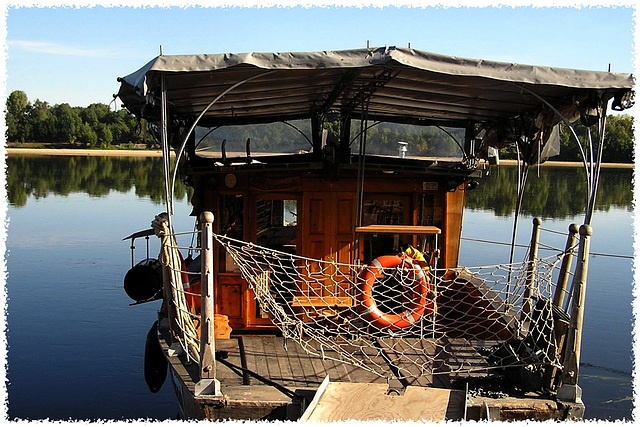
x: 83, y: 152
x: 158, y: 153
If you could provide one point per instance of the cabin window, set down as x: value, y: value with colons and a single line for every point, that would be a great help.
x: 277, y: 224
x: 277, y: 228
x: 239, y: 143
x: 382, y: 212
x: 232, y: 225
x: 409, y: 141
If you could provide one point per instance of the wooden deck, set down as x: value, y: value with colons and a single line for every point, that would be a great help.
x: 259, y: 360
x: 261, y: 380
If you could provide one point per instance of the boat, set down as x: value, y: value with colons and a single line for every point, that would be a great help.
x: 327, y: 190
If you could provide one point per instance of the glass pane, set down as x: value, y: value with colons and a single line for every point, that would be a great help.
x: 381, y: 212
x: 292, y: 137
x: 277, y: 222
x: 410, y: 141
x: 232, y: 225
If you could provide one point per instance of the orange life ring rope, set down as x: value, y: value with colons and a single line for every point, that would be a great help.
x: 414, y: 311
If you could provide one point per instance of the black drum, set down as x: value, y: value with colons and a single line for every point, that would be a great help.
x: 143, y: 282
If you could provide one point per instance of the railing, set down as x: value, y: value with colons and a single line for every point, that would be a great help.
x: 313, y: 318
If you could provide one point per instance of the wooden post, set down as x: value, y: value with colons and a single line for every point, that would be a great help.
x: 565, y: 268
x: 207, y: 342
x: 208, y: 383
x: 571, y: 361
x: 560, y: 322
x: 533, y: 255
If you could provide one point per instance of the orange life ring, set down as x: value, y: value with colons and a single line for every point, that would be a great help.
x: 192, y: 289
x: 414, y: 311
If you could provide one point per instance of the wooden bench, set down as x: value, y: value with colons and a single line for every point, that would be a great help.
x: 316, y: 306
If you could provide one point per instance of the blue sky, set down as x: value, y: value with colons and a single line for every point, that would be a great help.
x: 75, y: 54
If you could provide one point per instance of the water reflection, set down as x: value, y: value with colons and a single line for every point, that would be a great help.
x: 556, y: 192
x: 39, y: 176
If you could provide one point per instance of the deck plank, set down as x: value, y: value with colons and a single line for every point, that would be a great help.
x: 290, y: 375
x: 316, y: 363
x: 297, y: 356
x: 225, y: 374
x: 369, y: 402
x: 254, y: 354
x: 411, y: 358
x: 250, y: 359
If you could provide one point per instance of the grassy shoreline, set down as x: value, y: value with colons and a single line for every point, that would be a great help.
x: 158, y: 153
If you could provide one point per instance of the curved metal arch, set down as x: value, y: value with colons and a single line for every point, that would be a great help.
x: 193, y: 126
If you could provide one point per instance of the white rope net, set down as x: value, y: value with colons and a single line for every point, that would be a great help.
x: 396, y: 318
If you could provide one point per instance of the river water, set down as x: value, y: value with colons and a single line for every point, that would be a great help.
x: 75, y: 346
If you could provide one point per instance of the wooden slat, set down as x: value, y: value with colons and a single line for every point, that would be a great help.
x: 407, y: 355
x: 316, y: 364
x: 294, y: 368
x: 256, y: 359
x: 304, y: 377
x: 335, y: 369
x: 271, y: 361
x: 398, y: 229
x: 290, y: 375
x: 225, y: 374
x: 249, y: 359
x: 309, y: 301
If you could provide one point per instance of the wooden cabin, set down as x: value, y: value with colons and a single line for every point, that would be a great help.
x: 295, y: 209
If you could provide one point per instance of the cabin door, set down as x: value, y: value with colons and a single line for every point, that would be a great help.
x: 328, y: 236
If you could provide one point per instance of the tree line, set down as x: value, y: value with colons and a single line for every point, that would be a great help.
x: 95, y: 126
x: 100, y: 127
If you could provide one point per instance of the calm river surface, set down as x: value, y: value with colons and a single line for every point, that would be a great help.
x: 75, y: 346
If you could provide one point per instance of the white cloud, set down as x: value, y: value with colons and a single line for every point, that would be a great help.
x: 47, y: 47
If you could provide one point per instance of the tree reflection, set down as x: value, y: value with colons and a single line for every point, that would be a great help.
x: 557, y: 192
x: 39, y: 176
x: 554, y: 192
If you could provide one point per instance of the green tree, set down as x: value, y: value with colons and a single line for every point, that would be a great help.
x: 618, y: 140
x: 67, y: 122
x: 16, y: 115
x: 105, y: 137
x: 87, y: 135
x: 42, y: 121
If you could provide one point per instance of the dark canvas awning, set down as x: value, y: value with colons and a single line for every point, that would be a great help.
x: 391, y: 84
x: 400, y: 82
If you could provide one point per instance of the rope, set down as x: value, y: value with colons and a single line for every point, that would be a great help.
x: 546, y: 247
x: 170, y: 258
x: 396, y: 319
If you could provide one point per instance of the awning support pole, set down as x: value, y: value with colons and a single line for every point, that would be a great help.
x: 202, y: 113
x: 531, y: 270
x: 164, y: 143
x: 565, y: 267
